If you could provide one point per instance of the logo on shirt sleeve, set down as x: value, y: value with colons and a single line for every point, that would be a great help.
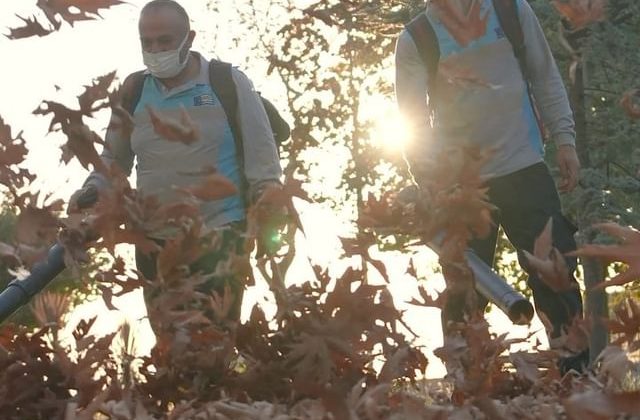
x: 204, y: 99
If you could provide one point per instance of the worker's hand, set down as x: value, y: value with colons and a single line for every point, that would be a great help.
x: 569, y: 166
x: 83, y: 198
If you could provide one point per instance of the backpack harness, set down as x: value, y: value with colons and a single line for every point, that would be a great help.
x: 222, y: 84
x: 426, y: 41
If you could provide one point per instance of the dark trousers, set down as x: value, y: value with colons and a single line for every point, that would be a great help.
x: 525, y: 201
x: 229, y: 243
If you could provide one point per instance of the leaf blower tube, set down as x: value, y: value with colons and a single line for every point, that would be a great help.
x: 19, y: 292
x: 488, y: 283
x: 494, y: 288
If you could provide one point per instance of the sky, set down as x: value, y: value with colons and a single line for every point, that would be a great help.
x: 70, y: 58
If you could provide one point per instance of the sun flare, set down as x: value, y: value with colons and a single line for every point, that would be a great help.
x: 390, y: 132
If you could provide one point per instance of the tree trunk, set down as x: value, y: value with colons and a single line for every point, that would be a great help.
x: 596, y: 305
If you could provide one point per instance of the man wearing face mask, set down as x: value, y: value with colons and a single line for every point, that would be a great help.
x: 177, y: 80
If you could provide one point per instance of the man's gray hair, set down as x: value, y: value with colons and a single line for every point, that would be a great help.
x: 171, y: 4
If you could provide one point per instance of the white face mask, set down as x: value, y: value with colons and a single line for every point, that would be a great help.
x: 165, y: 64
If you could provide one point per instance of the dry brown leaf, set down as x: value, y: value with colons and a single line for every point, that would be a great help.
x: 73, y: 11
x: 627, y: 252
x: 427, y: 300
x: 30, y: 28
x: 97, y: 91
x: 581, y: 13
x: 36, y: 226
x: 614, y: 366
x: 13, y: 149
x: 183, y: 131
x: 464, y: 27
x: 549, y: 263
x: 625, y: 324
x: 213, y: 187
x: 598, y: 405
x: 50, y: 307
x: 461, y: 77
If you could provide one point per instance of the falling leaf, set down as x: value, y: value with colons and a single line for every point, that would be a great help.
x: 359, y: 246
x: 183, y: 131
x: 81, y: 141
x: 31, y: 28
x: 213, y: 187
x: 97, y: 91
x: 50, y: 307
x: 628, y: 252
x: 14, y: 149
x: 614, y: 367
x: 403, y: 363
x: 549, y: 263
x: 462, y: 77
x: 630, y: 102
x: 465, y: 28
x: 427, y: 300
x: 625, y: 323
x: 581, y: 13
x: 73, y: 11
x: 36, y: 226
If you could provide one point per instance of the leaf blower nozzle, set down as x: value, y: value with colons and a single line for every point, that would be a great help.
x: 487, y: 282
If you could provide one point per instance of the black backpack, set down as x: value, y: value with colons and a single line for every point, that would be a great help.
x: 426, y: 41
x: 221, y: 81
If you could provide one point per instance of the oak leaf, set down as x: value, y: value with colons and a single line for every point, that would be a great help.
x: 13, y: 149
x: 462, y: 77
x: 97, y: 91
x: 628, y: 252
x: 581, y: 13
x: 213, y: 187
x: 50, y: 307
x: 73, y: 11
x: 464, y: 27
x: 359, y: 246
x: 625, y: 324
x: 183, y: 131
x: 549, y: 263
x: 36, y: 225
x: 30, y: 28
x: 427, y: 300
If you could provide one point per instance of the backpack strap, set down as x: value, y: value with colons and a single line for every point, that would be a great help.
x: 426, y: 41
x: 132, y: 90
x: 507, y: 12
x: 221, y: 81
